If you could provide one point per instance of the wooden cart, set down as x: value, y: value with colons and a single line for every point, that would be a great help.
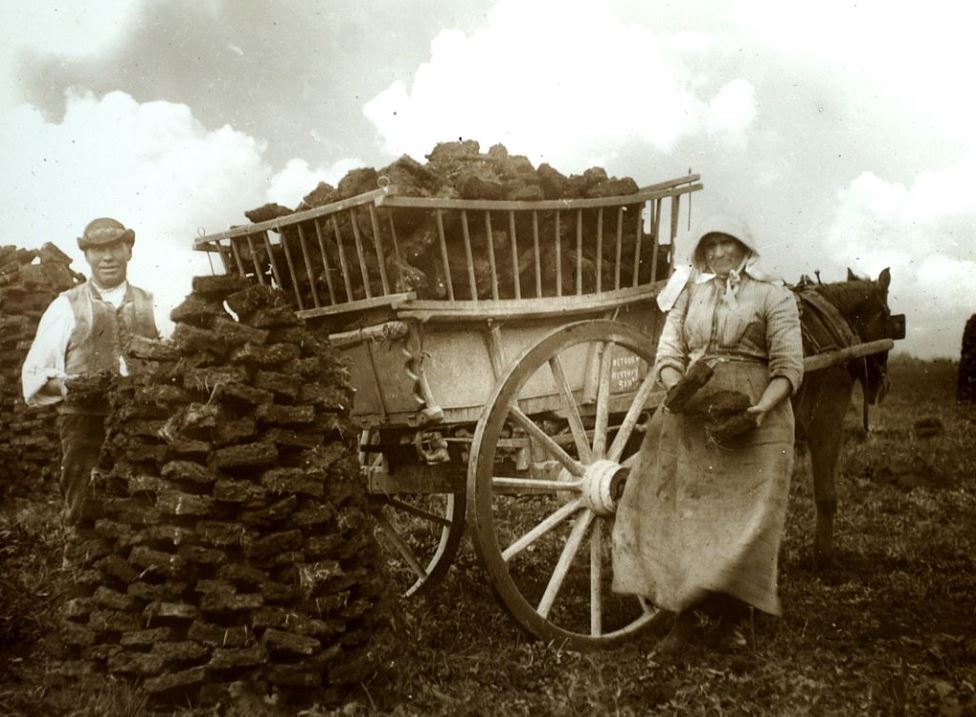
x: 513, y: 396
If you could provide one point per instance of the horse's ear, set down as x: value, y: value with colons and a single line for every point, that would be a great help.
x: 851, y: 276
x: 884, y: 279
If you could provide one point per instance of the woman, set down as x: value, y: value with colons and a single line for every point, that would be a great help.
x: 698, y: 527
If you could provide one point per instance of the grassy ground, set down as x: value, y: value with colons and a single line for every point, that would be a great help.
x: 890, y: 631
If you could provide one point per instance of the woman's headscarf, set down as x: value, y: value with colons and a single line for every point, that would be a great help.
x: 697, y: 270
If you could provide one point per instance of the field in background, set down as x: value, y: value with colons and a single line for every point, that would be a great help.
x: 890, y: 631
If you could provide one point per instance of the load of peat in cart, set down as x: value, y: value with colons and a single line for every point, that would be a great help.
x: 459, y: 170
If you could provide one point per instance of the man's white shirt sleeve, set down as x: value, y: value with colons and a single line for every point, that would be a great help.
x: 45, y: 359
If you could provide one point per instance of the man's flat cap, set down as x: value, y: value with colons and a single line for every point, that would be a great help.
x: 105, y: 230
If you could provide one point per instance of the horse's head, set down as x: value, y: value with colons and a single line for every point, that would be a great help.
x: 864, y: 303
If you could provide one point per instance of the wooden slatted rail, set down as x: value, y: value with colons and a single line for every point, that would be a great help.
x: 357, y: 253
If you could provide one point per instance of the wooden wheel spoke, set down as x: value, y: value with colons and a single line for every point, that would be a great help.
x: 541, y: 529
x: 565, y: 561
x: 630, y: 420
x: 533, y: 528
x: 551, y: 447
x: 572, y: 411
x: 531, y: 485
x: 414, y: 510
x: 596, y: 576
x: 629, y: 461
x: 603, y: 402
x: 401, y: 546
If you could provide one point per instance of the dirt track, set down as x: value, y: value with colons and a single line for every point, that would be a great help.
x: 890, y: 631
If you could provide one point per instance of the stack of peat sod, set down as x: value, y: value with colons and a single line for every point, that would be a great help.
x: 29, y: 280
x: 233, y: 544
x: 459, y: 170
x: 966, y: 379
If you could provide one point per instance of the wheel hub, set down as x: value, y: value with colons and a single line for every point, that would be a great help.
x: 601, y: 483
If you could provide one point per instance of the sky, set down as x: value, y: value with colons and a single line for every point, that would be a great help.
x: 844, y: 133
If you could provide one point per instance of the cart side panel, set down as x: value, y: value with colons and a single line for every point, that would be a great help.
x: 461, y: 361
x: 379, y: 374
x: 458, y: 362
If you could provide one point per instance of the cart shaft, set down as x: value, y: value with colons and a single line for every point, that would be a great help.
x: 832, y: 358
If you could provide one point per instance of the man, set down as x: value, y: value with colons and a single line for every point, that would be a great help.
x: 84, y: 331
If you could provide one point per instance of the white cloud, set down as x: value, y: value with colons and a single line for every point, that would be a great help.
x: 152, y: 166
x: 924, y: 233
x: 297, y: 179
x: 948, y: 282
x: 565, y: 95
x: 921, y: 54
x: 733, y: 108
x: 945, y: 192
x: 778, y: 116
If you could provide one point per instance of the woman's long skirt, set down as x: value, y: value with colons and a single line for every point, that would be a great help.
x: 698, y: 518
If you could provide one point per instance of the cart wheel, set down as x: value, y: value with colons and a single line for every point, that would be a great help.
x: 566, y: 400
x: 419, y: 533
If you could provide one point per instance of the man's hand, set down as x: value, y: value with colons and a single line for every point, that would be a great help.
x: 54, y: 387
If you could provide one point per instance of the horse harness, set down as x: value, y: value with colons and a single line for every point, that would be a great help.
x: 822, y: 325
x: 823, y: 329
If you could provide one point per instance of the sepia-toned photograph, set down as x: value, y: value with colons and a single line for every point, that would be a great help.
x: 487, y: 357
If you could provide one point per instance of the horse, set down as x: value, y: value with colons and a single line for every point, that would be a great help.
x: 824, y: 395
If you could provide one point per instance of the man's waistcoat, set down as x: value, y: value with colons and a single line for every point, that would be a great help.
x: 101, y: 331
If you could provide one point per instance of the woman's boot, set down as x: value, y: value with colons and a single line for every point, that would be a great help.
x: 728, y: 617
x: 685, y: 633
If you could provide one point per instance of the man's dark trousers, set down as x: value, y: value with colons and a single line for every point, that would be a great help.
x: 82, y: 435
